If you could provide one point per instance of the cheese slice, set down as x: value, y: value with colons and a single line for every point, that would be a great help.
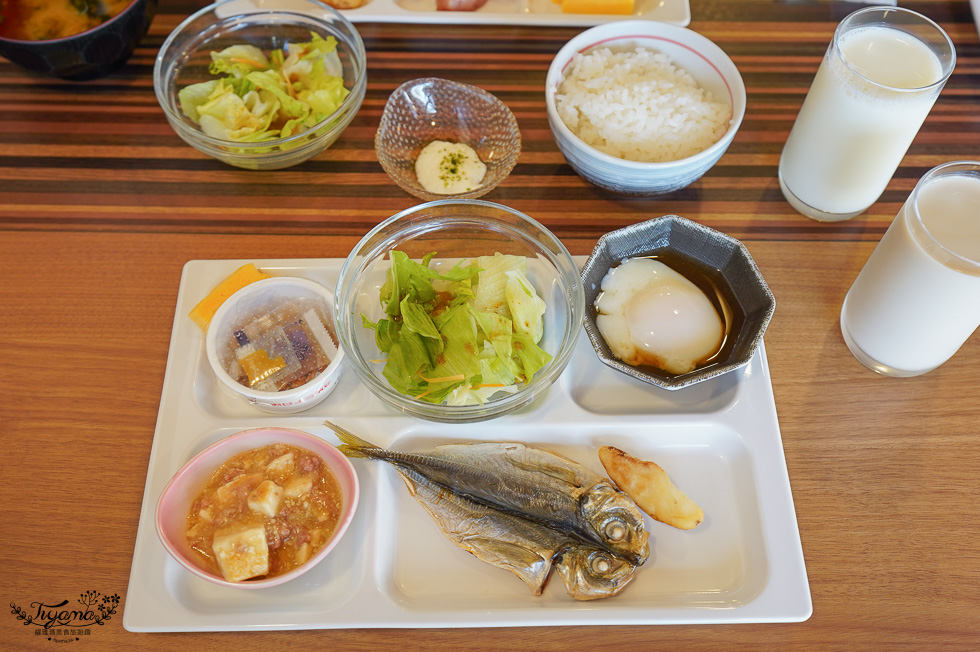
x: 242, y: 553
x: 623, y: 7
x: 204, y: 311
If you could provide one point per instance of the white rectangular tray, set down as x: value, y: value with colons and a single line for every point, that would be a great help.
x: 719, y: 441
x: 512, y: 12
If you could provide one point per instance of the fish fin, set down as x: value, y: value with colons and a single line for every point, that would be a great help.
x: 410, y: 483
x: 496, y: 538
x: 529, y: 565
x: 351, y: 452
x: 352, y: 446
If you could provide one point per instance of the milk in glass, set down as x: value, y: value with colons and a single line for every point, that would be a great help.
x: 872, y: 92
x: 917, y: 300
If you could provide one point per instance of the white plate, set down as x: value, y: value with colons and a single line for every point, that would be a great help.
x: 719, y: 441
x: 494, y: 12
x: 975, y: 7
x: 511, y: 12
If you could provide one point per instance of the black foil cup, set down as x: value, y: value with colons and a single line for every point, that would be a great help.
x: 726, y: 263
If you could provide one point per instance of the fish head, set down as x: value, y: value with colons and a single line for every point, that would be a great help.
x: 616, y: 522
x: 590, y: 573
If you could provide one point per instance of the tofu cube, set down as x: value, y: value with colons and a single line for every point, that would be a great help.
x: 265, y: 498
x: 242, y: 553
x: 282, y: 464
x: 230, y: 491
x: 298, y: 487
x: 303, y: 553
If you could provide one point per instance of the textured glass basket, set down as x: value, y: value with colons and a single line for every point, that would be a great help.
x: 423, y: 110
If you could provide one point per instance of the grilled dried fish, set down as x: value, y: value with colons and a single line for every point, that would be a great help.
x: 526, y: 548
x: 527, y: 482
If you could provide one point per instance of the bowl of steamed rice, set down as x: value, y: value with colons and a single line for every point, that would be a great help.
x: 643, y: 108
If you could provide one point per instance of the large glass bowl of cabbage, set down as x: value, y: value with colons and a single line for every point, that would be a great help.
x: 459, y: 310
x: 261, y: 84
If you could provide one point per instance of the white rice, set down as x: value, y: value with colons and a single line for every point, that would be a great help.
x: 637, y: 105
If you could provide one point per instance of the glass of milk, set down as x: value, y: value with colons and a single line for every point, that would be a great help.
x: 918, y: 297
x: 877, y: 82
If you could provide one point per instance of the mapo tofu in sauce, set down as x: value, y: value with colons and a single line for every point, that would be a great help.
x: 264, y: 512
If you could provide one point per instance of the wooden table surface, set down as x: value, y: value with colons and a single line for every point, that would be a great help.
x: 101, y: 205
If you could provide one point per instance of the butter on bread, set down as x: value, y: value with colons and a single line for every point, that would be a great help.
x: 619, y: 7
x: 204, y: 311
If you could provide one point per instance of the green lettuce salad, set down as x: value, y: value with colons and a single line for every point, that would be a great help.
x: 461, y: 336
x: 259, y: 97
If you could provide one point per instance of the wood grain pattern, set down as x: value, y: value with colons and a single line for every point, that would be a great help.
x: 101, y: 205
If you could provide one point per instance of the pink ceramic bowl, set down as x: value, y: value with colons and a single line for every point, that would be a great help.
x: 176, y: 499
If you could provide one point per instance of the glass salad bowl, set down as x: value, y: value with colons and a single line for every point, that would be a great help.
x: 235, y: 104
x: 475, y: 367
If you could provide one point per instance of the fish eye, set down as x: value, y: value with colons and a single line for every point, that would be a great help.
x: 600, y: 565
x: 615, y: 530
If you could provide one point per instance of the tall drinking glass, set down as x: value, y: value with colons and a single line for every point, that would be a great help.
x: 876, y: 84
x: 918, y: 297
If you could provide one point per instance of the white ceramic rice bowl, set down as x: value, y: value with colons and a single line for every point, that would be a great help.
x: 705, y: 61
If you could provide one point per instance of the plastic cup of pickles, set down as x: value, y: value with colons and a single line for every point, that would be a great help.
x: 273, y: 344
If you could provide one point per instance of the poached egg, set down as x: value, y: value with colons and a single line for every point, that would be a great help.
x: 649, y: 314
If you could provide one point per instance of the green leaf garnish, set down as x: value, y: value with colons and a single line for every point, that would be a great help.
x: 262, y: 97
x: 443, y: 345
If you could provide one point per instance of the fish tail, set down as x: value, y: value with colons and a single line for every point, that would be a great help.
x: 352, y: 445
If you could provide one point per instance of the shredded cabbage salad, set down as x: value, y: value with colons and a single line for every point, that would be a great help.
x: 261, y: 97
x: 462, y: 336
